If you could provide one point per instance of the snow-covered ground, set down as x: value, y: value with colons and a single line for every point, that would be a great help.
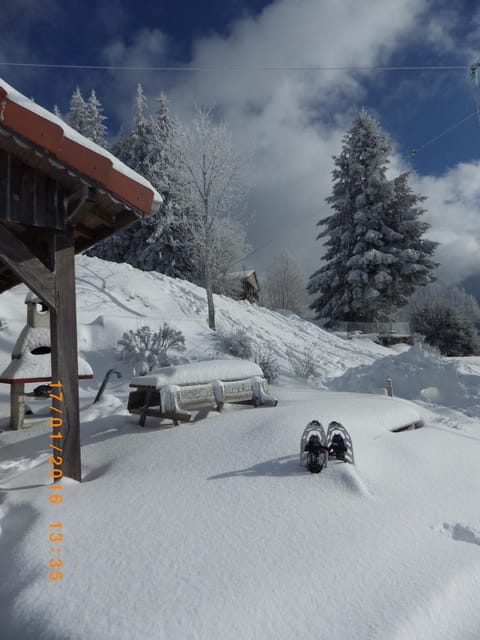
x: 211, y: 530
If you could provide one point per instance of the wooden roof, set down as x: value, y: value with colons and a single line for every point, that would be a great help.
x: 93, y: 192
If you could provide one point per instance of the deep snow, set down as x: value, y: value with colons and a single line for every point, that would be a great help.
x: 211, y: 530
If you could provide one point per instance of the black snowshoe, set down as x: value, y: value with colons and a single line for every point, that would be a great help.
x: 313, y: 447
x: 314, y: 464
x: 339, y: 443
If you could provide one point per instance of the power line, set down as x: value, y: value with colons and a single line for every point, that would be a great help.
x: 184, y: 69
x: 445, y: 131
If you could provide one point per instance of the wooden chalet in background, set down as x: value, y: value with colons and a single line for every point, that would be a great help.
x: 243, y: 285
x: 59, y: 194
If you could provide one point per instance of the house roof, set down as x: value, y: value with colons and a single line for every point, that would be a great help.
x: 97, y: 194
x: 249, y: 276
x: 37, y: 126
x: 240, y: 274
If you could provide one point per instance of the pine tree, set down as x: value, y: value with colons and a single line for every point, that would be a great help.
x: 95, y: 129
x: 78, y: 116
x: 375, y: 256
x: 157, y: 241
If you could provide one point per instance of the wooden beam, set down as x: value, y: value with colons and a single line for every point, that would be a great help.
x: 86, y: 203
x: 63, y: 323
x: 118, y: 220
x: 27, y: 266
x: 107, y: 220
x: 85, y: 231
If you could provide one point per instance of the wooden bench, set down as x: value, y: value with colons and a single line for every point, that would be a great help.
x: 172, y: 391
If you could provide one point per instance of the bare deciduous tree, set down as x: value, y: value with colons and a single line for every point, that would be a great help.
x: 211, y: 188
x: 284, y: 286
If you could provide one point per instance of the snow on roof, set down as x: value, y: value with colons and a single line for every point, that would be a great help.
x: 26, y: 365
x: 32, y: 297
x: 38, y: 368
x: 7, y: 92
x: 31, y: 338
x: 240, y: 274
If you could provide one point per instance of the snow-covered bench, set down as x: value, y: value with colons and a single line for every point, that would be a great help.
x: 173, y: 390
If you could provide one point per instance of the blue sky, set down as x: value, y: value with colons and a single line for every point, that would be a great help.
x: 289, y: 123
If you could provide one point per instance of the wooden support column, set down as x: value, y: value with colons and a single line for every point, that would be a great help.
x: 63, y: 323
x: 17, y: 405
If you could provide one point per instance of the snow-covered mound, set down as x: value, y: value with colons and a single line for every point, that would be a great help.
x: 214, y: 531
x: 417, y: 375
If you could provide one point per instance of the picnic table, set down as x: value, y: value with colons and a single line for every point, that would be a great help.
x: 172, y: 392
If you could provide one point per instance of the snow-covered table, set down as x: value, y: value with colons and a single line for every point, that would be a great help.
x: 171, y: 391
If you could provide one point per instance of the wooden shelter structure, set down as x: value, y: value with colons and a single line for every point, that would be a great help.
x: 59, y: 195
x: 243, y: 285
x: 31, y: 359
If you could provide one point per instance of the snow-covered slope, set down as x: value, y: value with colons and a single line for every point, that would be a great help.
x: 113, y: 298
x: 211, y: 530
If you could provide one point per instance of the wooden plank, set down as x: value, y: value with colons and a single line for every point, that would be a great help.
x: 85, y: 203
x: 27, y: 195
x: 4, y: 183
x: 14, y: 211
x: 40, y: 211
x: 85, y: 231
x: 63, y: 323
x: 27, y: 266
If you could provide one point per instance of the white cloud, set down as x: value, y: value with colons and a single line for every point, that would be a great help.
x: 295, y: 120
x: 454, y: 212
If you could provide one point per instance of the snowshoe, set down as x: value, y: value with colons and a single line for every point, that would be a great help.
x: 339, y: 443
x: 314, y: 463
x: 313, y: 447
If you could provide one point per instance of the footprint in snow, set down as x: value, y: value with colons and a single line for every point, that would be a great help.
x: 460, y: 532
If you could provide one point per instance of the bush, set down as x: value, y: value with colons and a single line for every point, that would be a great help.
x: 237, y: 344
x: 268, y: 364
x: 446, y: 328
x: 304, y: 365
x: 149, y: 349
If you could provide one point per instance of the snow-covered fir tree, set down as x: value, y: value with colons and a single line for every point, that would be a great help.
x: 157, y: 241
x: 168, y: 241
x: 78, y: 116
x: 95, y: 129
x: 376, y: 255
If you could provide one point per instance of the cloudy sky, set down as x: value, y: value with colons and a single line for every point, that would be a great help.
x: 288, y: 77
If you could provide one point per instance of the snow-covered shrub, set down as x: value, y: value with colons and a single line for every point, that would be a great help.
x: 148, y: 349
x: 268, y: 364
x: 237, y: 344
x: 303, y: 365
x: 447, y: 328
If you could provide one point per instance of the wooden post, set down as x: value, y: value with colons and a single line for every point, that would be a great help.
x: 17, y: 405
x: 63, y: 324
x: 389, y: 387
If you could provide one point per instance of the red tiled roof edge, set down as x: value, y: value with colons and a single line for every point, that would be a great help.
x: 50, y: 136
